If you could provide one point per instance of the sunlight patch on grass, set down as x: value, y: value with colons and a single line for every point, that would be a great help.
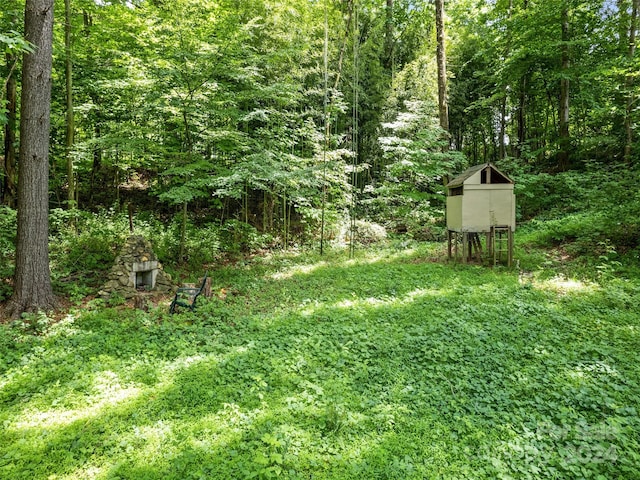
x: 185, y: 362
x: 364, y: 302
x: 151, y: 443
x: 297, y: 270
x: 419, y: 293
x: 563, y: 285
x: 380, y: 256
x: 87, y: 472
x: 310, y: 308
x: 110, y: 394
x: 592, y: 370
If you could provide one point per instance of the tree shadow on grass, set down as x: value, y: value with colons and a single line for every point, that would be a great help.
x: 413, y: 372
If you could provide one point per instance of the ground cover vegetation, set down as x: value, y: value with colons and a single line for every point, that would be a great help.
x: 391, y: 364
x: 259, y: 140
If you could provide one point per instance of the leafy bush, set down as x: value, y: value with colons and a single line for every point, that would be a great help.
x: 32, y: 323
x: 582, y: 210
x: 240, y: 237
x: 368, y: 233
x: 8, y: 228
x: 82, y: 245
x: 410, y: 194
x: 201, y: 246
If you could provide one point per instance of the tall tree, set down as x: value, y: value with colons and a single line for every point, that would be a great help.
x: 502, y: 134
x: 32, y: 283
x: 628, y: 123
x: 13, y: 44
x: 443, y: 107
x: 9, y: 168
x: 388, y: 37
x: 71, y: 189
x: 563, y: 112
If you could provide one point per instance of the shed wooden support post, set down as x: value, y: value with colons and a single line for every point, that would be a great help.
x: 206, y: 291
x: 455, y: 245
x: 510, y: 248
x: 449, y: 237
x: 475, y: 238
x: 465, y: 247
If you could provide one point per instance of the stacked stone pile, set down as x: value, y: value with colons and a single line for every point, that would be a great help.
x: 136, y: 255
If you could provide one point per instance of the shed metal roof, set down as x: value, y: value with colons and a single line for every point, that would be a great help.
x: 460, y: 179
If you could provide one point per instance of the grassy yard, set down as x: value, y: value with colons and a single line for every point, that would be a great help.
x: 388, y: 366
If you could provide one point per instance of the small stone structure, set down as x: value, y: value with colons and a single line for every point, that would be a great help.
x: 136, y: 270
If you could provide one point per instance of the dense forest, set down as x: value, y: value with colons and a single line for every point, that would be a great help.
x: 296, y: 153
x: 229, y: 126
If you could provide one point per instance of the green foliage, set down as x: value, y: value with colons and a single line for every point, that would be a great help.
x: 32, y: 323
x: 8, y: 225
x: 368, y: 233
x: 388, y: 365
x: 8, y: 228
x: 506, y: 64
x: 82, y: 247
x: 589, y: 214
x: 12, y: 44
x: 202, y: 244
x: 410, y: 195
x: 240, y: 237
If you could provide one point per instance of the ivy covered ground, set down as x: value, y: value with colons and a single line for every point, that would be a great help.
x: 393, y: 365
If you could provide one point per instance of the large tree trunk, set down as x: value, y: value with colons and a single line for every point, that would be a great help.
x: 563, y: 111
x: 9, y: 191
x: 32, y: 287
x: 443, y: 107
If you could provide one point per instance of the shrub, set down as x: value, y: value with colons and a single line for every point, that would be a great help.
x: 83, y: 245
x: 202, y: 245
x: 8, y: 229
x: 368, y: 233
x: 240, y: 237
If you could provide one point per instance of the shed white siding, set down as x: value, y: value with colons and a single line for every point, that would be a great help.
x: 481, y: 206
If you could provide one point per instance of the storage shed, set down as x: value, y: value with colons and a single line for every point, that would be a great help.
x: 481, y: 200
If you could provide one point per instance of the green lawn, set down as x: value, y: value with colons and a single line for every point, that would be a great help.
x: 389, y: 366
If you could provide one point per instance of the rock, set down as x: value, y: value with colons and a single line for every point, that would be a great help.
x: 136, y: 250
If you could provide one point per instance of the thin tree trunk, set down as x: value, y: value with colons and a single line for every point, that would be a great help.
x: 343, y: 48
x: 563, y: 111
x: 71, y: 192
x: 443, y: 108
x: 629, y: 83
x: 9, y: 187
x: 502, y: 147
x: 32, y: 283
x: 183, y: 233
x: 97, y: 157
x: 522, y: 116
x: 522, y: 107
x: 388, y: 37
x: 502, y: 133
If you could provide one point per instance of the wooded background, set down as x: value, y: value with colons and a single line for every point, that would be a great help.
x: 283, y: 115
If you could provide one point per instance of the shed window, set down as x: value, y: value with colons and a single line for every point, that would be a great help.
x: 455, y: 191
